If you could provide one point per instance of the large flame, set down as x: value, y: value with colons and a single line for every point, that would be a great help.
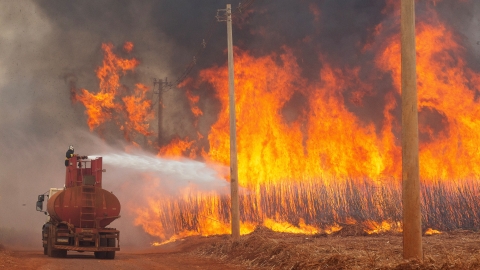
x: 447, y: 103
x: 313, y: 144
x: 132, y: 111
x: 326, y: 139
x: 307, y: 161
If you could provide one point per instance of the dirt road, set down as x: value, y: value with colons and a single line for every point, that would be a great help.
x: 124, y: 260
x: 175, y: 256
x: 350, y: 248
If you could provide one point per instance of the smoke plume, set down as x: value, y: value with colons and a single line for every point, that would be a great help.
x: 47, y: 47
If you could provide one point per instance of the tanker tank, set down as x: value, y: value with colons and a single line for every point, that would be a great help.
x: 83, y: 206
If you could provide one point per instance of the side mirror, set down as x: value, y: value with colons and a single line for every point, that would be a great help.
x: 39, y: 205
x: 41, y: 198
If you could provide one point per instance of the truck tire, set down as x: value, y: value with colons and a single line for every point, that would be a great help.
x: 45, y: 229
x: 111, y: 243
x: 60, y: 253
x: 52, y: 252
x: 49, y: 246
x: 100, y: 254
x: 110, y: 255
x: 55, y: 253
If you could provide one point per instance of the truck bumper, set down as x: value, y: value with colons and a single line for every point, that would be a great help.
x: 86, y: 248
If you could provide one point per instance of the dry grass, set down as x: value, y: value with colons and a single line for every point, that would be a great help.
x: 264, y: 249
x: 446, y: 206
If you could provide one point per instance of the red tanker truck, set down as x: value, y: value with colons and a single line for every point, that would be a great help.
x: 79, y: 213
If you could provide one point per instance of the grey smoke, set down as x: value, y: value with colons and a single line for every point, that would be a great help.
x: 45, y: 44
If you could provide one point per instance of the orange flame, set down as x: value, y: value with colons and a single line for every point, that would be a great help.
x: 133, y: 113
x: 290, y: 156
x: 431, y: 231
x: 138, y: 110
x: 193, y: 100
x: 449, y: 107
x: 312, y: 145
x: 128, y: 46
x: 373, y: 227
x: 326, y: 142
x: 177, y: 148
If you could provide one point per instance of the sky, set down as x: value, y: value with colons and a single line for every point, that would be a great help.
x: 47, y: 45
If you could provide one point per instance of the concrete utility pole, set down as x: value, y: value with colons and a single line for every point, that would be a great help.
x: 412, y: 219
x: 235, y: 211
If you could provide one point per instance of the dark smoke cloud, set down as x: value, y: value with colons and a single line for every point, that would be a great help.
x: 47, y: 44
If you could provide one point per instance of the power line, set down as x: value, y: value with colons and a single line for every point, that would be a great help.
x: 242, y: 6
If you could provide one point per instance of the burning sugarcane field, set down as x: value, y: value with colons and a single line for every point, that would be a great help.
x: 247, y: 135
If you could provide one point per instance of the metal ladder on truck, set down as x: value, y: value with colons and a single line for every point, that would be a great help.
x: 88, y: 213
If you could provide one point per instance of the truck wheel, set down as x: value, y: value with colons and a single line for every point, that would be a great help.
x: 55, y: 253
x: 111, y: 243
x: 50, y: 251
x: 61, y: 253
x: 100, y: 254
x: 50, y: 241
x: 44, y: 238
x: 58, y: 253
x: 110, y: 255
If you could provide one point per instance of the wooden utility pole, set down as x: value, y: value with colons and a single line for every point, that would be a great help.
x: 160, y: 110
x: 412, y: 219
x: 233, y: 132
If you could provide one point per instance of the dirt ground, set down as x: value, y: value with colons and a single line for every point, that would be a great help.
x: 264, y: 249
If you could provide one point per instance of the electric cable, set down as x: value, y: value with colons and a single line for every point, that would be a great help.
x: 205, y: 41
